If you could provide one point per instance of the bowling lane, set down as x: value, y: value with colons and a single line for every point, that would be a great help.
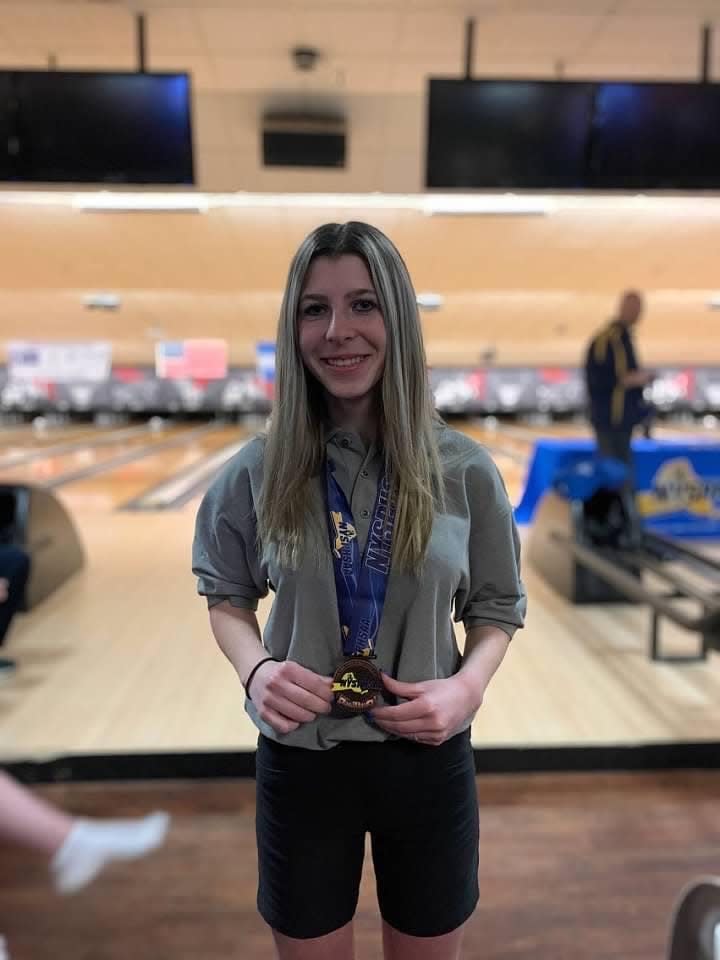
x: 708, y: 428
x: 528, y: 433
x: 25, y: 440
x: 50, y: 468
x: 112, y: 489
x: 701, y: 429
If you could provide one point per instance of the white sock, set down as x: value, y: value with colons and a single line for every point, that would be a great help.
x: 91, y: 844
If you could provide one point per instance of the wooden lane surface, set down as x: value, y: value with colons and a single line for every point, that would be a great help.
x: 53, y: 465
x: 576, y: 429
x: 114, y: 486
x: 127, y: 481
x: 25, y: 437
x: 121, y: 659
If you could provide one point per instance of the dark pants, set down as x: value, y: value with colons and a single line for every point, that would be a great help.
x: 15, y: 568
x: 314, y: 808
x: 616, y: 443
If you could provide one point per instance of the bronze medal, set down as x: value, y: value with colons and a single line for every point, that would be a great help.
x: 357, y: 686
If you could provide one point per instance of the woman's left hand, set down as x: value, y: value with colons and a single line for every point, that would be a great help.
x: 435, y: 709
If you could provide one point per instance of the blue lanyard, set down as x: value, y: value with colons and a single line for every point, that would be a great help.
x: 360, y: 585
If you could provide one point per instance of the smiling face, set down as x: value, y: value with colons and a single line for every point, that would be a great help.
x: 341, y: 332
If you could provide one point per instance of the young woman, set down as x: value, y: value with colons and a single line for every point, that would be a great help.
x: 374, y: 524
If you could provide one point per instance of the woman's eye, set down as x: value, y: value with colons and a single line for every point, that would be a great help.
x: 313, y: 310
x: 364, y: 306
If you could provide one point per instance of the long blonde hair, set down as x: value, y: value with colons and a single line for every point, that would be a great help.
x: 295, y: 449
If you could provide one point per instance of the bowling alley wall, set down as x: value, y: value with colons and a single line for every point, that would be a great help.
x: 518, y: 293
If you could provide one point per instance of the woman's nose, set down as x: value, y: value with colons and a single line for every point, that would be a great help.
x: 340, y: 326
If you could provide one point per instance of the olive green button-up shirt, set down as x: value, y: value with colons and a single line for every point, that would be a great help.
x: 471, y: 571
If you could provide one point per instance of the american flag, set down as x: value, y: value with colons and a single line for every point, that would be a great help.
x: 191, y: 359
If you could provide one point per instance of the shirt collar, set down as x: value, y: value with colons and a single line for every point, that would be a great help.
x: 347, y: 440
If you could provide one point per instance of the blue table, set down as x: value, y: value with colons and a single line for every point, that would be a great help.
x: 677, y: 483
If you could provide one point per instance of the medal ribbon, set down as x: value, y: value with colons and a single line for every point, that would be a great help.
x: 360, y: 585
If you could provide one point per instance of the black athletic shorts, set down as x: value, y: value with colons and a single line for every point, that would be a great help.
x: 417, y: 802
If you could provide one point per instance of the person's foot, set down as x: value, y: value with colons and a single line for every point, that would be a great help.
x: 92, y: 844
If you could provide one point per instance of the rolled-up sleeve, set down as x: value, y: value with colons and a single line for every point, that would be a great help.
x: 494, y: 595
x: 225, y: 557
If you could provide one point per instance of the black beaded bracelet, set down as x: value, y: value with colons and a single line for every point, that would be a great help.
x: 254, y: 671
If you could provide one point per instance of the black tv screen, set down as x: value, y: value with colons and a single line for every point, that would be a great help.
x: 60, y: 127
x: 507, y: 133
x: 286, y: 149
x: 656, y: 136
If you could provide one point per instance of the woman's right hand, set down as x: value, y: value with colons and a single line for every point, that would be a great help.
x: 287, y: 695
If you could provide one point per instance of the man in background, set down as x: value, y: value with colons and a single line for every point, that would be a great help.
x: 615, y: 382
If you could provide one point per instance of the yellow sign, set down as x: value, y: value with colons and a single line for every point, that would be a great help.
x: 677, y: 487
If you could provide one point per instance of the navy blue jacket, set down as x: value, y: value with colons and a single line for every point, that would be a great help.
x: 609, y: 357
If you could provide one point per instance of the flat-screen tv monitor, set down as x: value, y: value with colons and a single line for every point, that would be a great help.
x: 59, y: 127
x: 285, y: 149
x: 507, y: 133
x: 656, y: 136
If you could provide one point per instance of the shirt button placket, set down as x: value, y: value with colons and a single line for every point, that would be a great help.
x: 365, y: 513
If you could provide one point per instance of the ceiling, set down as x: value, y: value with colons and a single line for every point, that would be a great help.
x: 374, y: 60
x: 366, y: 46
